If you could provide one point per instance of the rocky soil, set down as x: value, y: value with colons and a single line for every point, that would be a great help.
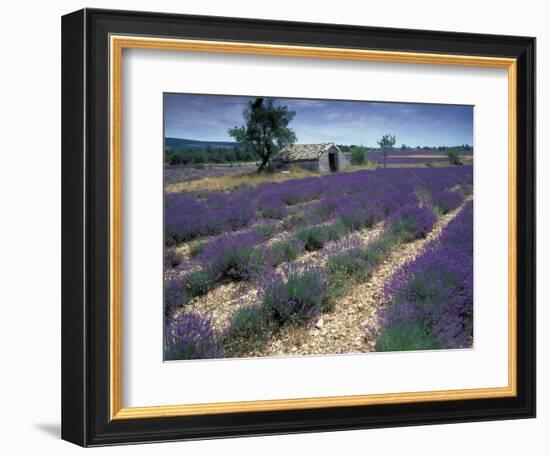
x: 340, y: 331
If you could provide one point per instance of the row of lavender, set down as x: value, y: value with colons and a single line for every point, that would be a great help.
x: 393, y: 160
x: 242, y: 256
x: 416, y: 156
x: 424, y: 151
x: 187, y: 173
x: 191, y: 216
x: 296, y: 295
x: 431, y: 298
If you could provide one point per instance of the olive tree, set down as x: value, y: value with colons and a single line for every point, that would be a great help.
x: 265, y: 130
x: 386, y: 143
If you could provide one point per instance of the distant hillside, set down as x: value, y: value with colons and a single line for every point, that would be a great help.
x: 181, y: 142
x: 181, y: 151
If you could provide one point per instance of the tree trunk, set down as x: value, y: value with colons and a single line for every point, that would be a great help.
x: 265, y: 158
x: 262, y: 165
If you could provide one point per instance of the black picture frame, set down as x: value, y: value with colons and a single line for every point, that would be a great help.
x: 85, y: 228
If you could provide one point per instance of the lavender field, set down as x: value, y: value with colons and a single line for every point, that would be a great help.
x: 418, y: 156
x: 182, y: 174
x: 359, y: 261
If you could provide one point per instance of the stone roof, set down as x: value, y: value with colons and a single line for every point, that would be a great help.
x: 298, y: 152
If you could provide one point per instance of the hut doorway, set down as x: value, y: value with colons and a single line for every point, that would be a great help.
x: 332, y: 162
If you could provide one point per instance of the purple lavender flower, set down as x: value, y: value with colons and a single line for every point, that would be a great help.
x: 281, y: 251
x: 175, y: 295
x: 296, y: 298
x: 190, y: 336
x: 446, y: 201
x: 356, y: 215
x: 328, y: 206
x: 273, y: 209
x: 412, y: 222
x: 187, y: 218
x: 431, y: 297
x: 176, y: 174
x: 233, y: 257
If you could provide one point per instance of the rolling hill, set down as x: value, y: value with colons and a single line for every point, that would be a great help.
x: 196, y: 144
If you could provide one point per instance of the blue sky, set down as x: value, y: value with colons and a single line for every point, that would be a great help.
x: 208, y: 117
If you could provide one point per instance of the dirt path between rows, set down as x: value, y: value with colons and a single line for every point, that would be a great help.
x: 220, y: 304
x: 340, y: 330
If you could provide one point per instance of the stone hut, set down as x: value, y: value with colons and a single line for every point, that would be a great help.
x: 324, y: 158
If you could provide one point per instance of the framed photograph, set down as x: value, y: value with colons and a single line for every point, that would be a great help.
x: 279, y: 227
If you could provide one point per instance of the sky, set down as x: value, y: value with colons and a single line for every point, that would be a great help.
x: 208, y: 117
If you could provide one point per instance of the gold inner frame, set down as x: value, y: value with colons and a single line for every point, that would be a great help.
x: 117, y: 44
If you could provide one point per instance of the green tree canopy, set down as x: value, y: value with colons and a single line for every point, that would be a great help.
x: 454, y: 156
x: 386, y: 143
x: 265, y: 130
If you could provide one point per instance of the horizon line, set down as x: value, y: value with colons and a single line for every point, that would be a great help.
x: 321, y: 142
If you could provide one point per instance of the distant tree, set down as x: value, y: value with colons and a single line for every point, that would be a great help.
x: 266, y: 129
x: 386, y: 143
x: 404, y: 147
x: 345, y: 147
x: 199, y: 157
x: 357, y: 155
x: 454, y: 156
x: 175, y: 159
